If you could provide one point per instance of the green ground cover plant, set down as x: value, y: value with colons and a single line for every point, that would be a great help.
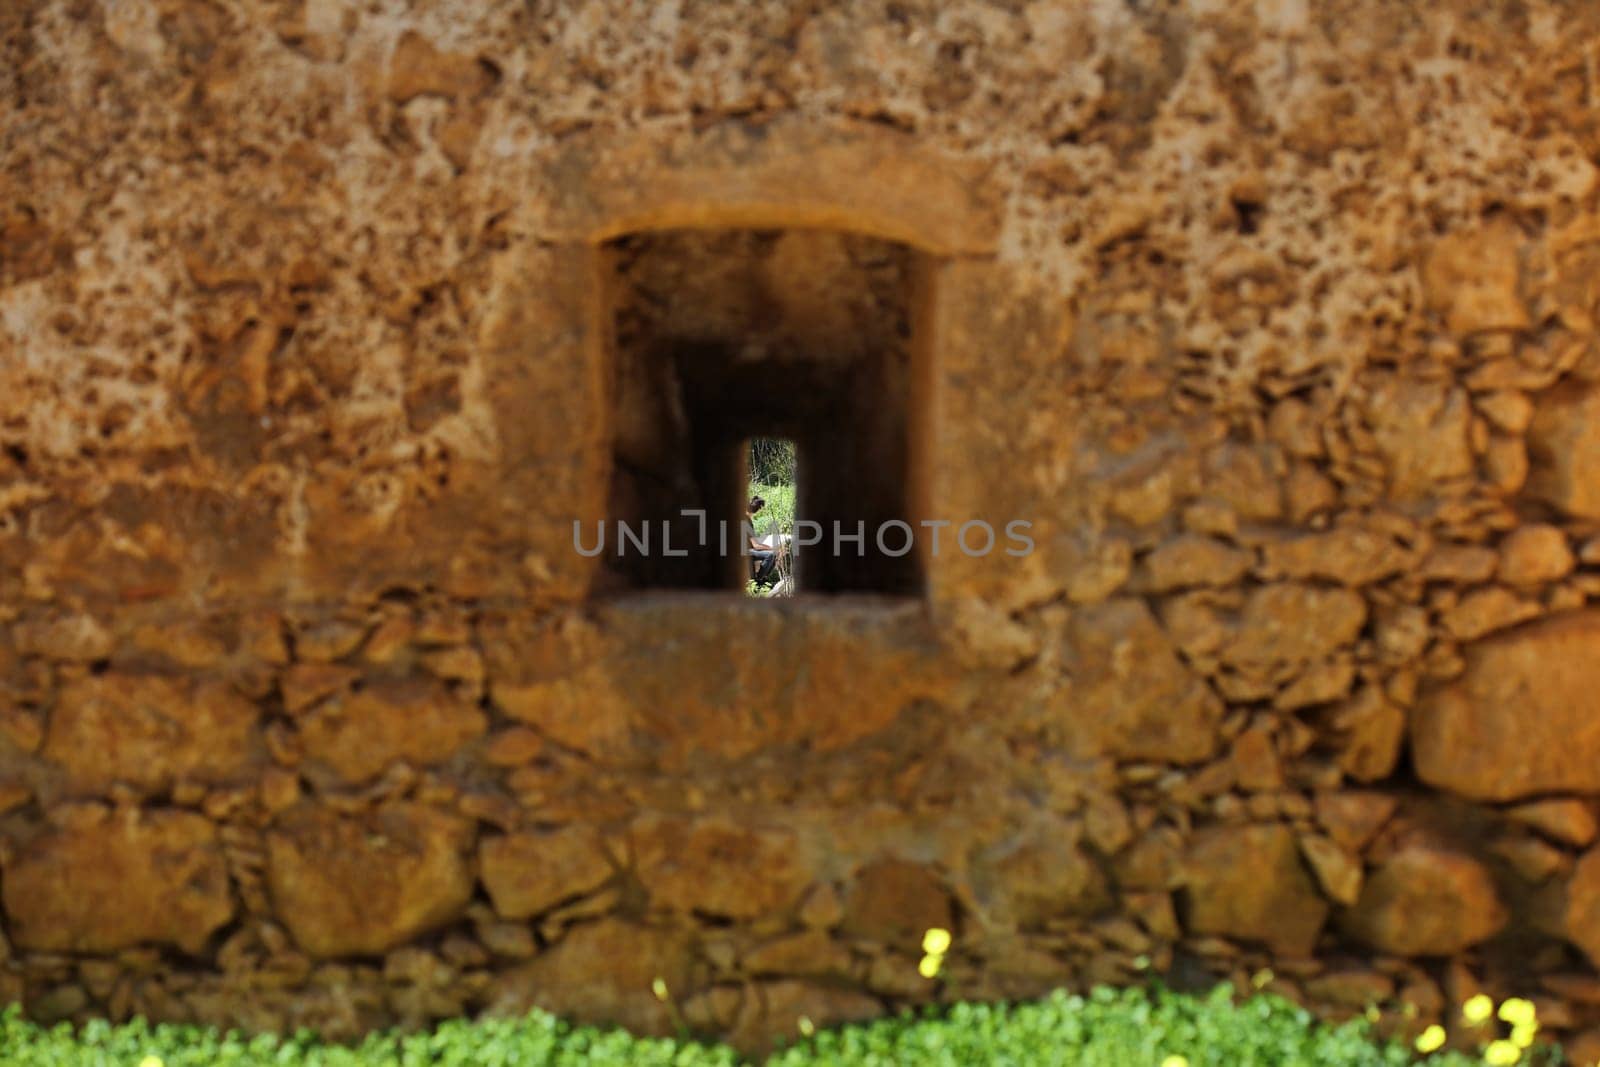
x: 1107, y: 1028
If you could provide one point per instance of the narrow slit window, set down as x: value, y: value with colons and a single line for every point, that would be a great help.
x: 772, y: 466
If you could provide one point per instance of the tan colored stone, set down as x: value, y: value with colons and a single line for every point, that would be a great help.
x: 1564, y: 450
x: 356, y: 735
x: 1193, y: 560
x: 1248, y: 478
x: 1349, y: 555
x: 75, y: 638
x: 1530, y: 555
x: 148, y: 731
x: 1294, y: 623
x: 718, y: 866
x: 529, y: 873
x: 1532, y: 858
x: 358, y: 885
x: 1422, y: 432
x: 1352, y: 818
x: 418, y: 68
x: 1471, y: 279
x: 389, y: 640
x: 1319, y: 683
x: 822, y: 908
x: 194, y: 645
x: 1040, y: 875
x: 459, y: 664
x: 1309, y: 492
x: 1509, y: 411
x: 1373, y: 730
x: 584, y: 713
x: 261, y: 637
x: 1129, y: 694
x: 1520, y: 719
x: 1426, y: 900
x: 328, y: 641
x: 303, y: 684
x: 22, y: 728
x: 513, y: 747
x: 1484, y: 611
x: 1248, y: 882
x: 1571, y: 822
x: 1255, y: 760
x: 1505, y: 464
x: 1581, y: 917
x: 1464, y: 564
x: 809, y: 953
x: 135, y: 878
x: 1338, y: 870
x: 1154, y: 861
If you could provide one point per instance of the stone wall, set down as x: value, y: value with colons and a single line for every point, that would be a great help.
x: 1277, y: 320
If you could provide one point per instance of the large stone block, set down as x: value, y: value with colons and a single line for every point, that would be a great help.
x: 1471, y: 279
x: 1426, y: 901
x: 149, y: 731
x: 356, y: 885
x: 1248, y: 882
x: 1522, y: 719
x: 1564, y: 450
x: 356, y: 735
x: 685, y: 678
x: 128, y: 879
x: 527, y: 873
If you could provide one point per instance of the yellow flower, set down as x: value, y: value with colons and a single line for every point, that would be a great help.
x: 1522, y: 1034
x: 1431, y: 1039
x: 1501, y: 1054
x: 1175, y: 1061
x: 929, y: 967
x: 659, y: 988
x: 151, y: 1061
x: 936, y: 942
x: 1519, y: 1012
x: 1261, y: 978
x: 1478, y: 1009
x: 807, y: 1027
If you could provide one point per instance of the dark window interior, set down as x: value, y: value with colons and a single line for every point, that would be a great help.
x: 720, y: 336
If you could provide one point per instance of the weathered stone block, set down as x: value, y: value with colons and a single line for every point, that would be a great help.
x: 356, y: 735
x: 149, y: 731
x: 124, y: 880
x: 1426, y: 900
x: 527, y: 873
x: 357, y: 885
x: 1248, y: 882
x: 1522, y: 718
x: 1564, y: 450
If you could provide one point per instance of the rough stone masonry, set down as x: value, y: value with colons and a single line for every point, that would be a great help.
x: 1275, y: 317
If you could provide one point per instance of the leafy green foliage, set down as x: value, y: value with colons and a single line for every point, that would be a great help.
x: 772, y: 461
x: 778, y: 515
x: 1108, y: 1028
